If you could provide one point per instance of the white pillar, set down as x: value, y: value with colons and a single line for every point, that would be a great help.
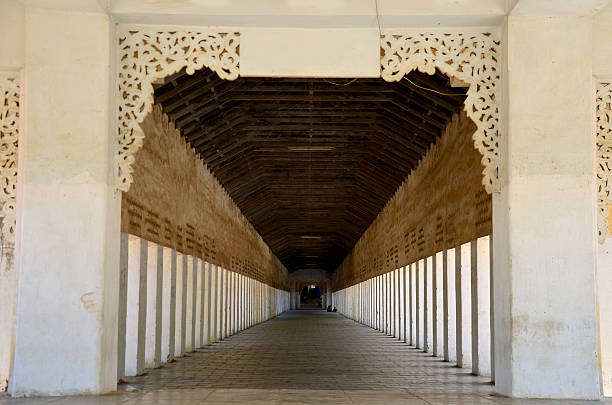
x: 151, y: 319
x: 406, y: 298
x: 194, y: 303
x: 434, y: 305
x: 185, y: 305
x: 167, y: 327
x: 179, y: 307
x: 122, y: 310
x: 604, y: 286
x: 451, y: 293
x: 12, y: 29
x: 466, y: 305
x: 483, y: 302
x: 68, y: 210
x: 440, y: 341
x: 136, y: 316
x: 203, y: 286
x: 419, y: 305
x: 543, y: 219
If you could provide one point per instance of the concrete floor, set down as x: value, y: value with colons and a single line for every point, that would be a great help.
x: 303, y: 357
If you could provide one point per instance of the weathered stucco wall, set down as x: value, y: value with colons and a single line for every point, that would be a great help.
x: 441, y: 204
x: 175, y: 201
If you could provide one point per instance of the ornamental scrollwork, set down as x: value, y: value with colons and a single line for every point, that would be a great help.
x: 9, y: 138
x: 603, y: 142
x: 147, y: 57
x: 471, y: 58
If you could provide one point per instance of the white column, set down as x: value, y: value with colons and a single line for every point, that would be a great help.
x: 426, y: 304
x: 151, y: 319
x: 458, y: 308
x: 212, y: 302
x: 434, y: 305
x: 219, y: 304
x: 543, y: 225
x: 68, y: 210
x: 604, y: 286
x: 167, y: 351
x: 483, y: 301
x: 179, y: 307
x: 466, y: 305
x: 193, y: 302
x: 419, y: 305
x: 203, y: 303
x: 451, y: 293
x: 137, y: 306
x: 12, y: 29
x: 406, y: 298
x: 207, y: 302
x: 198, y: 302
x: 412, y: 303
x: 440, y: 304
x: 122, y: 317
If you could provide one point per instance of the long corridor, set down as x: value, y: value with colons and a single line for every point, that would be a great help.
x: 312, y: 350
x: 299, y: 357
x: 302, y: 357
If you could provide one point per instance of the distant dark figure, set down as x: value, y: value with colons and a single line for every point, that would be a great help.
x: 329, y: 308
x: 335, y: 309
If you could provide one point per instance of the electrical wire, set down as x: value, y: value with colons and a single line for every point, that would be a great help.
x: 378, y: 18
x: 434, y: 91
x: 340, y: 84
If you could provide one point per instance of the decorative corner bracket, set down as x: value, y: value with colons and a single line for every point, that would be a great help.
x: 603, y: 142
x: 145, y: 57
x: 472, y: 58
x: 9, y: 138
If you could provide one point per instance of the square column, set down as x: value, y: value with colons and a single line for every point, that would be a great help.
x: 68, y: 209
x: 546, y: 340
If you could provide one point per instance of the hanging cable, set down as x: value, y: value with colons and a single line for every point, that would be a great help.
x: 340, y: 84
x: 432, y: 90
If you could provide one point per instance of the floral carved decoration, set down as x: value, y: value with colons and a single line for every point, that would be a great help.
x: 147, y: 57
x: 471, y: 58
x: 9, y: 136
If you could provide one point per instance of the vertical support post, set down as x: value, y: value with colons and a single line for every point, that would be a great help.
x: 458, y: 308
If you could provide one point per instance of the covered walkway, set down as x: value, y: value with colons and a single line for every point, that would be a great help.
x: 302, y: 356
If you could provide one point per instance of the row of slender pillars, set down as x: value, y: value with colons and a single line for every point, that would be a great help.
x: 172, y: 303
x: 447, y: 313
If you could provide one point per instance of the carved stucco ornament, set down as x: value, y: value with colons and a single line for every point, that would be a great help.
x: 471, y: 58
x: 9, y: 131
x: 603, y: 142
x: 147, y: 57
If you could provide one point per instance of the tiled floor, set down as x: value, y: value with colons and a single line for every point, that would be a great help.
x: 303, y: 357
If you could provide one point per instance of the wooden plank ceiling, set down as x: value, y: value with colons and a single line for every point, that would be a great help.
x: 310, y: 162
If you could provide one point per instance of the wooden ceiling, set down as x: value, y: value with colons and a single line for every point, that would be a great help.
x: 310, y: 162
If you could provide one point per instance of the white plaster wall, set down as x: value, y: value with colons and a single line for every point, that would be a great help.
x: 311, y: 13
x: 604, y: 300
x: 68, y: 210
x: 544, y: 218
x: 602, y: 46
x: 8, y: 286
x: 12, y: 29
x: 12, y: 25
